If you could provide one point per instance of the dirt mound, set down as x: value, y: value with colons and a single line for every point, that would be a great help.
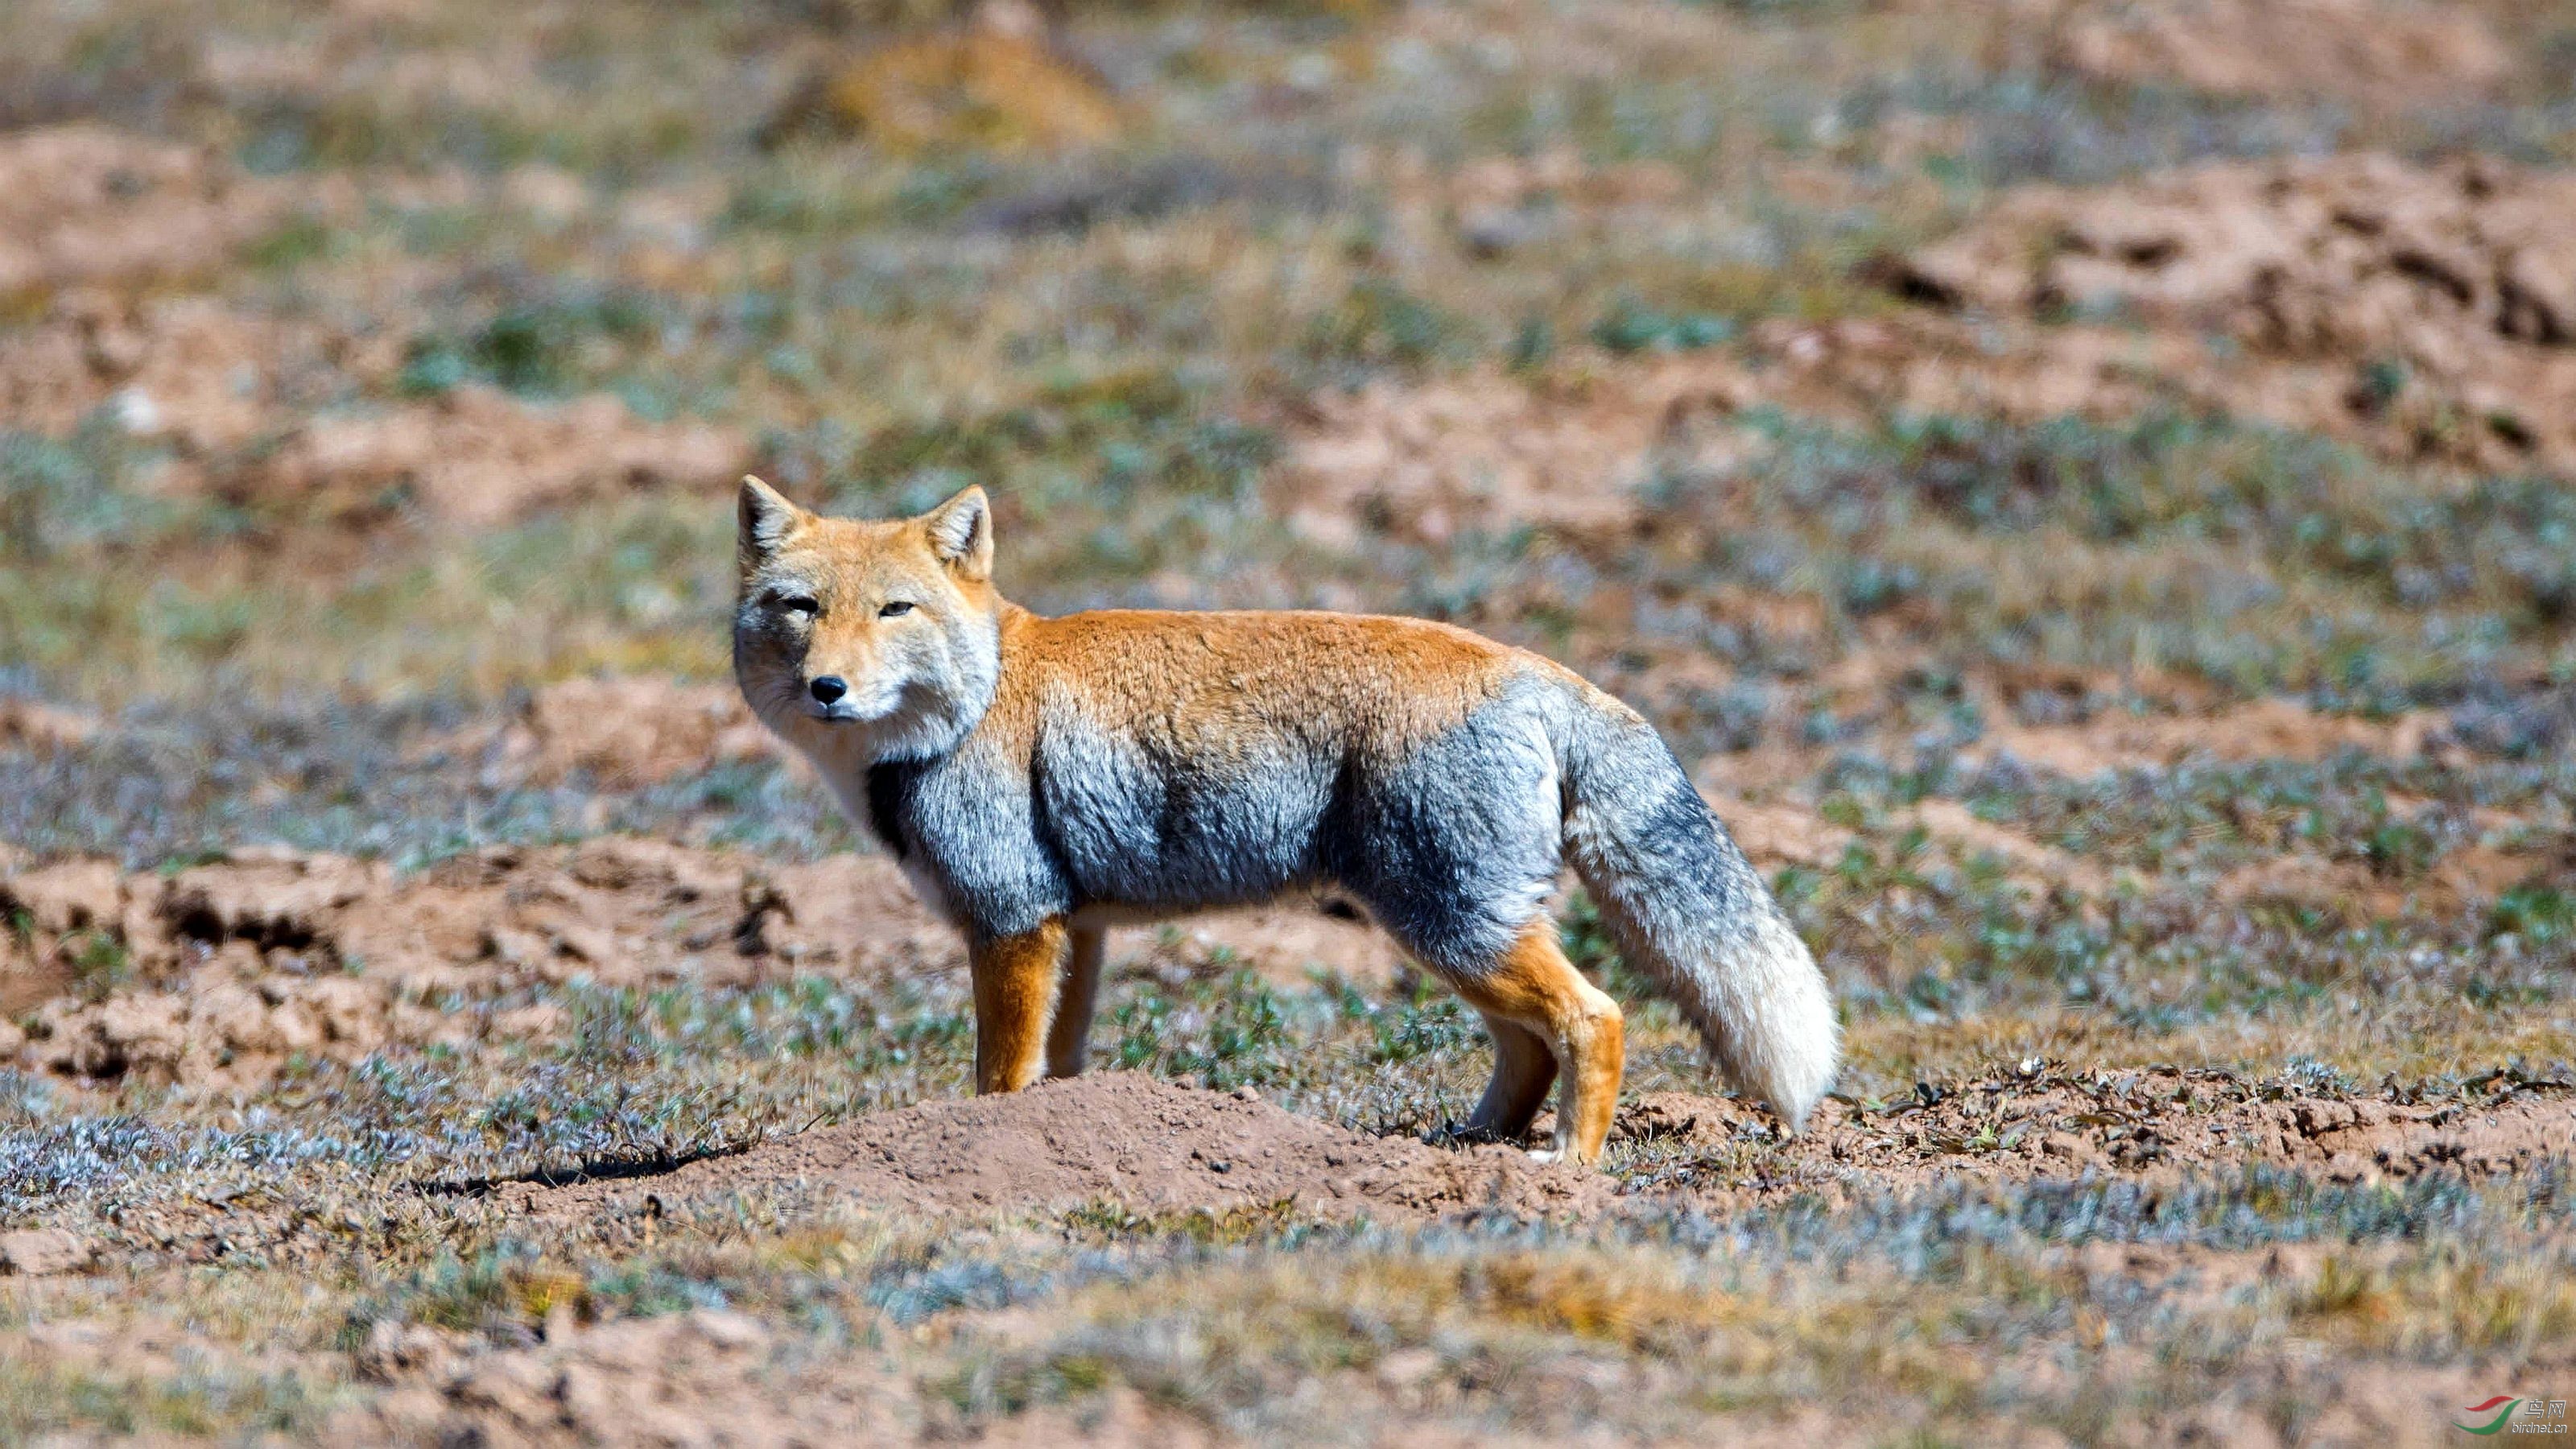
x: 1486, y: 451
x: 2372, y: 51
x: 634, y: 1381
x: 234, y: 390
x: 1564, y: 451
x: 1157, y: 1149
x: 2431, y: 311
x: 203, y: 375
x: 995, y: 83
x: 2270, y: 729
x: 478, y: 457
x: 84, y: 203
x: 1283, y: 944
x: 632, y: 730
x: 218, y: 972
x: 1122, y: 1137
x: 1856, y: 372
x: 225, y: 1030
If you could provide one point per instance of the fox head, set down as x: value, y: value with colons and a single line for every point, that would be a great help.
x: 878, y: 639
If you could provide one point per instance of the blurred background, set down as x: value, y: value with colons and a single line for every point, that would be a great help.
x: 2084, y: 485
x: 1816, y: 373
x: 1895, y: 400
x: 1751, y: 355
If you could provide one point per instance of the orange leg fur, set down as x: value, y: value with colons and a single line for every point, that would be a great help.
x: 1068, y: 1041
x: 1533, y: 986
x: 1014, y: 988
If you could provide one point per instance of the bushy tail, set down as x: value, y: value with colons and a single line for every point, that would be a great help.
x: 1689, y: 911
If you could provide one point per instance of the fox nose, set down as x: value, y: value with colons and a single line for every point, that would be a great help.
x: 828, y: 689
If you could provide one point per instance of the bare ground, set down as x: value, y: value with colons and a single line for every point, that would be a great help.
x: 1159, y: 1149
x: 1144, y: 1145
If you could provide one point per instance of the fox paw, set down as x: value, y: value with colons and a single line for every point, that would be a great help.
x: 1545, y: 1155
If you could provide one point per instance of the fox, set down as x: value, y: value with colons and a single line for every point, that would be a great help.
x: 1041, y: 779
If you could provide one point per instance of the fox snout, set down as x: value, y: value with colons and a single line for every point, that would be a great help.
x: 879, y: 635
x: 849, y: 683
x: 828, y: 697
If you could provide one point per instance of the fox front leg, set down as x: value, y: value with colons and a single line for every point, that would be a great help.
x: 1015, y: 979
x: 1069, y: 1031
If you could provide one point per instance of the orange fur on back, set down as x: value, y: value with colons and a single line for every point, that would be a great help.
x: 1206, y: 679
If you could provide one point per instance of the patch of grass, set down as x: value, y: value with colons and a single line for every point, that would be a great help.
x: 1380, y: 324
x: 38, y: 1399
x: 1109, y: 1220
x: 546, y: 346
x: 73, y: 498
x: 1234, y: 1036
x: 1631, y: 326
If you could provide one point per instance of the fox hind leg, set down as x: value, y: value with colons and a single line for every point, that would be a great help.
x: 1533, y: 987
x: 1015, y: 980
x: 1524, y: 1069
x: 1068, y: 1041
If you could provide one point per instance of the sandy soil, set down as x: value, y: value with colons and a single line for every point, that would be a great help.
x: 2375, y: 52
x: 1158, y: 1148
x: 636, y: 1381
x: 223, y: 971
x: 84, y: 203
x: 2428, y: 313
x: 478, y: 457
x: 2430, y: 310
x: 205, y: 377
x: 1148, y: 1145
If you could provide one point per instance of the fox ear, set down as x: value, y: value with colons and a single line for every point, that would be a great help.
x: 961, y: 534
x: 767, y: 518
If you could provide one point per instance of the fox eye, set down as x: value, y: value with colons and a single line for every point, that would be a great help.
x: 798, y: 604
x: 896, y: 609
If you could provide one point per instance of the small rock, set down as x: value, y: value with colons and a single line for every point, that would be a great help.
x: 36, y: 1252
x: 586, y: 943
x: 25, y: 723
x: 2070, y: 1147
x: 726, y: 1329
x: 68, y: 896
x: 588, y: 1400
x: 514, y: 1384
x: 1406, y: 1367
